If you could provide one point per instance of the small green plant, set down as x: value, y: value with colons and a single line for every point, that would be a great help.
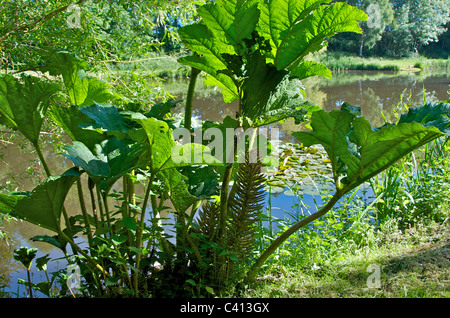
x: 25, y: 256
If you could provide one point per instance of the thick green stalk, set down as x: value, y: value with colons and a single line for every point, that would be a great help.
x: 140, y: 232
x: 190, y: 98
x: 41, y: 158
x: 283, y: 237
x: 78, y: 249
x: 84, y: 212
x: 49, y: 174
x: 224, y: 203
x: 108, y: 215
x: 94, y: 206
x: 100, y: 205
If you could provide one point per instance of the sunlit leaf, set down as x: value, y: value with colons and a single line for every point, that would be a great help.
x: 24, y: 103
x: 233, y: 19
x: 71, y: 120
x: 82, y: 90
x: 296, y: 28
x: 108, y: 161
x: 358, y: 152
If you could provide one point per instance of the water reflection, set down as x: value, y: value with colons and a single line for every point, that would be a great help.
x: 375, y: 92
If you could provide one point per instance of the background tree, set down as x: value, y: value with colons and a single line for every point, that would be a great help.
x: 373, y: 29
x: 119, y: 35
x: 417, y: 24
x: 406, y: 27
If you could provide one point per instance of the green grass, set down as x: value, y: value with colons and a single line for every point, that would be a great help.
x: 159, y: 65
x: 339, y: 61
x: 414, y: 263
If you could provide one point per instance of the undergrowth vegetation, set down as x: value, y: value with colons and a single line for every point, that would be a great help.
x: 161, y: 216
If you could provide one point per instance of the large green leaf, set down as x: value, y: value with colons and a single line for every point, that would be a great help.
x: 157, y: 136
x: 209, y: 57
x: 108, y: 161
x: 429, y: 115
x: 261, y: 80
x: 203, y: 181
x: 224, y: 27
x: 83, y: 90
x: 234, y: 20
x: 249, y: 46
x: 296, y: 28
x: 24, y: 103
x: 358, y: 152
x: 8, y: 202
x: 283, y: 101
x: 43, y: 206
x: 107, y: 119
x: 71, y: 120
x: 307, y: 69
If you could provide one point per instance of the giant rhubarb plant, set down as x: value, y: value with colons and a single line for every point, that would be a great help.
x: 358, y: 152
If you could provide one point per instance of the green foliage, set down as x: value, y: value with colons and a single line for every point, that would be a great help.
x: 358, y: 153
x: 109, y: 160
x: 25, y: 255
x: 70, y: 119
x: 83, y: 90
x: 43, y: 206
x: 298, y: 28
x: 405, y: 28
x: 256, y: 51
x: 414, y: 190
x: 24, y: 103
x: 256, y: 45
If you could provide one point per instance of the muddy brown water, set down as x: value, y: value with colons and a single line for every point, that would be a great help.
x: 379, y: 94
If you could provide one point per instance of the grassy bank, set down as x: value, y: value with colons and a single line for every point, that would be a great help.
x: 340, y: 61
x: 412, y: 263
x: 166, y: 67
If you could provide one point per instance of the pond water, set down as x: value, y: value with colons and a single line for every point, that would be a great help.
x: 377, y: 93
